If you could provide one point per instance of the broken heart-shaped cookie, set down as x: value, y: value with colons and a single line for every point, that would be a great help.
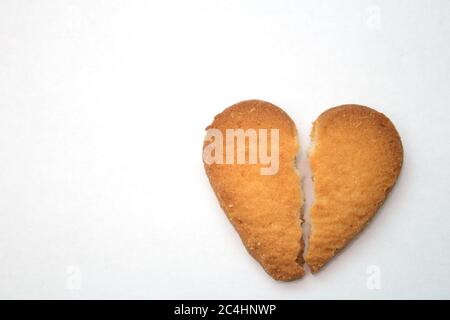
x: 356, y: 157
x: 249, y: 156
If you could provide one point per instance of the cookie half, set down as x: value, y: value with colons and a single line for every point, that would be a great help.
x: 261, y: 196
x: 355, y: 160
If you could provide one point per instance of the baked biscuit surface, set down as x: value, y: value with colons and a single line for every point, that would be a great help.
x: 355, y: 160
x: 264, y: 209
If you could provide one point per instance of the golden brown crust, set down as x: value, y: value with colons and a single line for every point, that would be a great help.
x: 355, y: 159
x: 264, y: 209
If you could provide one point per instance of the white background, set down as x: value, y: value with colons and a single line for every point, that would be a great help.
x: 103, y: 106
